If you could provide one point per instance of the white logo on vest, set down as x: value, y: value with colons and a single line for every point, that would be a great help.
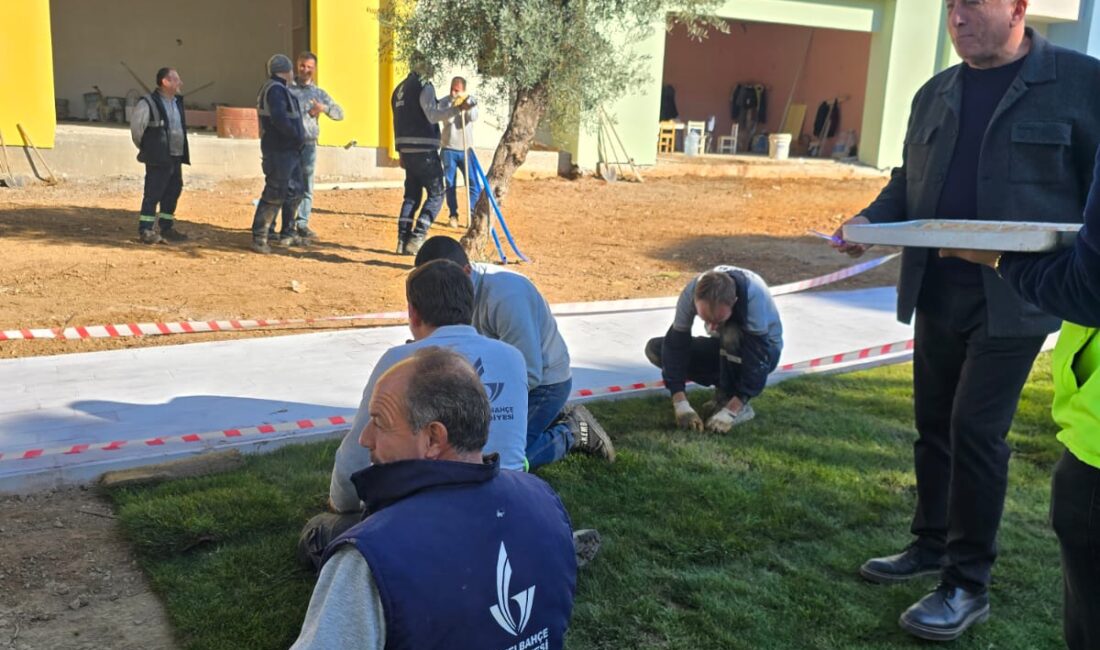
x: 502, y: 611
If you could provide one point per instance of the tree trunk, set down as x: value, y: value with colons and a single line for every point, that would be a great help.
x: 527, y: 111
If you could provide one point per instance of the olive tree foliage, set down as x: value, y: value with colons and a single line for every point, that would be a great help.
x: 543, y: 57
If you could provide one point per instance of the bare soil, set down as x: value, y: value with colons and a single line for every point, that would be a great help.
x: 69, y: 255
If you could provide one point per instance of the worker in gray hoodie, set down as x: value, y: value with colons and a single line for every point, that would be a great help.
x: 507, y: 306
x: 314, y: 101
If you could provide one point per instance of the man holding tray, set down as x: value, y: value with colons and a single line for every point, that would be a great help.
x: 1007, y: 135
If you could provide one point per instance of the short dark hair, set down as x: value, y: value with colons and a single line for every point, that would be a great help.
x: 461, y: 80
x: 442, y: 293
x: 161, y: 74
x: 716, y: 287
x: 441, y: 247
x: 445, y: 388
x: 306, y: 55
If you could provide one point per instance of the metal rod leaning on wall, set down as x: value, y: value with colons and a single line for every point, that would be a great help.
x: 52, y: 180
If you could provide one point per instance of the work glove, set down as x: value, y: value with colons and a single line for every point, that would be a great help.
x: 721, y: 422
x: 686, y: 417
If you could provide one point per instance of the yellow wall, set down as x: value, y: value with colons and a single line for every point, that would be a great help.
x: 345, y: 36
x: 26, y: 84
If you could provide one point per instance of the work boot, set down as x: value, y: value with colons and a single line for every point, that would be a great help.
x: 946, y: 613
x: 452, y: 221
x: 307, y: 235
x: 173, y: 235
x: 150, y: 236
x: 586, y: 545
x: 913, y: 562
x: 260, y: 246
x: 412, y: 247
x: 287, y: 239
x: 588, y: 436
x: 400, y: 246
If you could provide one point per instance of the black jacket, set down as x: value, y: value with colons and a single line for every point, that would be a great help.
x: 1036, y: 164
x: 154, y: 149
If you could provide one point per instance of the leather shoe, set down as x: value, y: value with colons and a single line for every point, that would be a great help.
x: 913, y: 562
x: 946, y: 613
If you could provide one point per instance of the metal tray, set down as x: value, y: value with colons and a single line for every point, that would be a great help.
x: 1016, y: 236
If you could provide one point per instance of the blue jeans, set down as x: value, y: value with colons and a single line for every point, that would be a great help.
x: 452, y: 163
x: 548, y: 437
x: 309, y: 163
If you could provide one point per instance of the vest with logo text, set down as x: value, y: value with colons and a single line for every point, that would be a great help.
x: 487, y: 565
x: 411, y: 128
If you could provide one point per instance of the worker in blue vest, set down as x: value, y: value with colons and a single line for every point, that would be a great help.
x: 159, y: 129
x: 416, y: 118
x: 454, y: 552
x: 282, y: 136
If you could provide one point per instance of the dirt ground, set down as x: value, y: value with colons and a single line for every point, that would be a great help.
x: 67, y: 580
x: 69, y: 256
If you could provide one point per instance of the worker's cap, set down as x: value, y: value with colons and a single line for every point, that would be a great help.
x: 279, y: 63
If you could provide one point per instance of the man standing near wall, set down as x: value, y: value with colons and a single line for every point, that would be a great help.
x: 313, y: 101
x: 159, y: 130
x: 1007, y: 135
x: 416, y: 118
x: 455, y: 143
x: 281, y: 139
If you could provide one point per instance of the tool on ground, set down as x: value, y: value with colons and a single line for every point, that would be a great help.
x: 610, y: 128
x: 603, y: 166
x: 488, y: 192
x: 10, y: 179
x: 52, y: 180
x: 794, y: 86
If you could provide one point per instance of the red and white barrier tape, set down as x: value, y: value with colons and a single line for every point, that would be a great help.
x: 561, y: 309
x: 321, y: 423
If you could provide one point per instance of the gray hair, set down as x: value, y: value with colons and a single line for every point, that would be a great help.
x: 445, y: 388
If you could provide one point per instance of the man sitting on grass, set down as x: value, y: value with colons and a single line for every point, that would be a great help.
x: 447, y: 534
x: 440, y: 303
x: 746, y: 337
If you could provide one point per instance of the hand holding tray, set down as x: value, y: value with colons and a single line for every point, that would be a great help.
x: 1014, y: 236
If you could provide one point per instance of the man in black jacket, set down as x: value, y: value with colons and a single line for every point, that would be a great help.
x: 746, y: 338
x: 159, y: 130
x: 1007, y: 135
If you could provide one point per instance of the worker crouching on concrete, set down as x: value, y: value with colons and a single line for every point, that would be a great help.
x: 159, y: 130
x: 746, y: 337
x: 281, y: 139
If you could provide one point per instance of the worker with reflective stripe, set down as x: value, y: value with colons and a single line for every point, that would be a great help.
x: 159, y: 130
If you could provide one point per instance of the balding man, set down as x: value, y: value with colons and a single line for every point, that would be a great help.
x: 1009, y: 134
x: 454, y: 552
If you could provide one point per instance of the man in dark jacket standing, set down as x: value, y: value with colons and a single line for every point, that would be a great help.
x: 1007, y: 135
x: 416, y: 118
x: 159, y: 130
x: 282, y: 136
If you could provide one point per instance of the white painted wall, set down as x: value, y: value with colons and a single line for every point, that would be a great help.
x: 224, y: 41
x: 1054, y: 10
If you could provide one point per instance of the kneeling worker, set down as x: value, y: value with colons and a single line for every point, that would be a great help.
x: 746, y: 337
x: 448, y: 532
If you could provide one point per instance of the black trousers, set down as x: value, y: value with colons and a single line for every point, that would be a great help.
x: 319, y: 532
x: 966, y: 386
x: 1075, y: 515
x: 712, y: 361
x: 163, y: 186
x: 423, y: 171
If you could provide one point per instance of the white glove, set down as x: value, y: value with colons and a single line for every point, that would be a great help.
x: 721, y: 421
x: 686, y: 417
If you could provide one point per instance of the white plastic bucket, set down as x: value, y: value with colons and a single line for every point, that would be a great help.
x: 779, y: 146
x: 691, y: 143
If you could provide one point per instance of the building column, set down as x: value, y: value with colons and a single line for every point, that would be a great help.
x: 27, y: 82
x: 1082, y: 35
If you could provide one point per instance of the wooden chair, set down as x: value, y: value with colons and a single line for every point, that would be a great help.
x: 699, y: 127
x: 728, y: 143
x: 666, y: 137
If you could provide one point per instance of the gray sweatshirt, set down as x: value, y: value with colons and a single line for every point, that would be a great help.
x: 451, y: 131
x: 507, y: 306
x: 143, y: 114
x: 306, y: 95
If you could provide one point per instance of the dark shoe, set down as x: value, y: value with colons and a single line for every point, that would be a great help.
x: 173, y: 235
x: 913, y: 562
x: 588, y: 436
x: 307, y: 235
x: 413, y: 245
x: 946, y: 613
x: 400, y: 247
x: 287, y: 240
x: 260, y: 246
x: 586, y: 545
x: 150, y: 236
x: 452, y: 221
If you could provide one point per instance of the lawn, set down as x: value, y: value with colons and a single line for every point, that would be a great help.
x: 748, y: 540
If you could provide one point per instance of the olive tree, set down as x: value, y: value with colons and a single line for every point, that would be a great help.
x: 562, y: 57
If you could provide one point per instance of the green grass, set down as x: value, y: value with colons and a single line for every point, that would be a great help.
x: 748, y: 540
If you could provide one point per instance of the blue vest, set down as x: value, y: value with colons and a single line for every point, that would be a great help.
x: 278, y: 107
x: 465, y: 555
x: 411, y: 128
